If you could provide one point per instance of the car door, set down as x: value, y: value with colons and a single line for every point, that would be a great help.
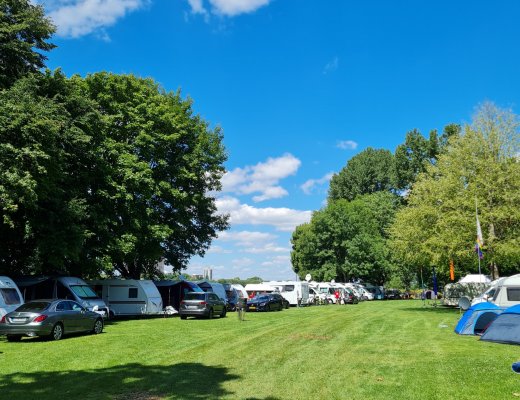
x: 81, y: 321
x: 66, y: 315
x: 217, y: 303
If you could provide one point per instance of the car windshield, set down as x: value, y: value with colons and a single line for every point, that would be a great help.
x: 261, y: 298
x: 84, y: 291
x: 195, y: 296
x: 34, y: 306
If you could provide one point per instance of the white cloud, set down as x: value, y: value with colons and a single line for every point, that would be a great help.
x: 309, y: 185
x: 331, y: 66
x: 347, y: 145
x: 75, y: 18
x: 242, y: 262
x: 277, y: 261
x: 262, y: 178
x: 228, y: 8
x: 283, y: 219
x: 267, y: 248
x: 246, y: 238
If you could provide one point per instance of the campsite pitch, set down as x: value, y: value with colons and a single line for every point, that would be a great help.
x: 373, y: 350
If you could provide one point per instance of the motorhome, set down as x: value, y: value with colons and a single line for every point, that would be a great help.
x: 10, y: 296
x: 61, y: 287
x: 507, y: 292
x: 295, y: 292
x: 253, y: 289
x: 127, y: 297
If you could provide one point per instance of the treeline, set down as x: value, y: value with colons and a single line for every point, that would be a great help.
x: 392, y: 217
x: 101, y: 173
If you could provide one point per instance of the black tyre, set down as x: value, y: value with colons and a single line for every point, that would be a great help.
x: 14, y: 338
x: 57, y: 332
x: 210, y: 314
x: 184, y: 316
x: 223, y: 314
x: 98, y: 326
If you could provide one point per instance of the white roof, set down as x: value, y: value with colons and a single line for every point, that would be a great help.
x: 475, y: 278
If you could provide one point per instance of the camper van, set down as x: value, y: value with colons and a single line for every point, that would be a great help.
x: 61, y: 287
x: 295, y: 292
x: 10, y: 296
x: 507, y: 292
x: 129, y: 296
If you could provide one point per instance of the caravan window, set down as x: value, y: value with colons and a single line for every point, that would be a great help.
x: 10, y: 296
x: 513, y: 294
x: 84, y: 291
x: 288, y: 288
x: 132, y: 293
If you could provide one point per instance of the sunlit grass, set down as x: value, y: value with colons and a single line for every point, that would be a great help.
x: 376, y: 350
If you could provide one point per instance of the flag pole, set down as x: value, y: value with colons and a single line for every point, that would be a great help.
x: 478, y: 233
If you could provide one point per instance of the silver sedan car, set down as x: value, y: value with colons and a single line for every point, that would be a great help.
x: 49, y: 318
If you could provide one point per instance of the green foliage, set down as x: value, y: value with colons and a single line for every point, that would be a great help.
x: 439, y: 222
x: 23, y: 28
x: 367, y: 172
x: 102, y: 173
x: 346, y: 240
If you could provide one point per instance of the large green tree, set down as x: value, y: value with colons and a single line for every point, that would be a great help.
x: 105, y: 173
x: 346, y: 240
x: 479, y: 166
x: 367, y: 172
x: 24, y: 30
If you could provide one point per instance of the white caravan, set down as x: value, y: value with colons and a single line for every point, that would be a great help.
x: 242, y: 293
x: 507, y: 292
x: 253, y: 289
x: 10, y: 296
x: 129, y: 296
x: 292, y: 291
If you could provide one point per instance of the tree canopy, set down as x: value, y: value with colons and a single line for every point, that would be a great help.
x: 104, y: 173
x: 479, y: 168
x: 24, y: 29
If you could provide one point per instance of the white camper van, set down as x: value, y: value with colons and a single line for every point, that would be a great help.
x: 507, y: 292
x: 129, y: 296
x: 292, y: 291
x: 10, y: 296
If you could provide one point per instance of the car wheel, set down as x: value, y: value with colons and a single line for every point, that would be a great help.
x: 14, y: 338
x: 223, y: 315
x: 57, y: 332
x: 98, y: 326
x: 210, y: 314
x: 184, y: 316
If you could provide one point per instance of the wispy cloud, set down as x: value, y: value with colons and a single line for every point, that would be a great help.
x: 331, y: 66
x: 309, y: 185
x: 262, y: 178
x: 347, y: 145
x: 283, y: 219
x: 75, y: 18
x: 227, y: 8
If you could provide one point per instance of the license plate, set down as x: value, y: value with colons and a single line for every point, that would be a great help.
x: 18, y: 319
x: 252, y: 307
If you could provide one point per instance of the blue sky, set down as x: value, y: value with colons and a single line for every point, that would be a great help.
x: 299, y: 87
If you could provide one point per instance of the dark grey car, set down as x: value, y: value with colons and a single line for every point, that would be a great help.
x: 50, y: 318
x: 202, y: 304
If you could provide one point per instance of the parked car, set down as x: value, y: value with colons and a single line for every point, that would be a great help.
x: 202, y: 304
x: 286, y: 304
x: 265, y: 302
x: 50, y: 318
x: 393, y: 294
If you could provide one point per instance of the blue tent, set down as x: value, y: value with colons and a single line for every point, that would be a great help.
x: 477, y: 318
x: 505, y: 328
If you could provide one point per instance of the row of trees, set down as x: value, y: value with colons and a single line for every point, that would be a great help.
x: 101, y: 173
x: 390, y: 216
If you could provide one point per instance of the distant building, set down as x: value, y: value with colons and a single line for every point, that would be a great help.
x: 208, y: 274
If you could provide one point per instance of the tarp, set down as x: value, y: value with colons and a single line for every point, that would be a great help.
x: 505, y: 328
x: 172, y: 292
x: 475, y: 320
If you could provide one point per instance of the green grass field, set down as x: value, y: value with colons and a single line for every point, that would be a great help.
x: 374, y: 350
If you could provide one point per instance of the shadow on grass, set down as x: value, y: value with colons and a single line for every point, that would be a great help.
x: 430, y: 308
x: 125, y: 382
